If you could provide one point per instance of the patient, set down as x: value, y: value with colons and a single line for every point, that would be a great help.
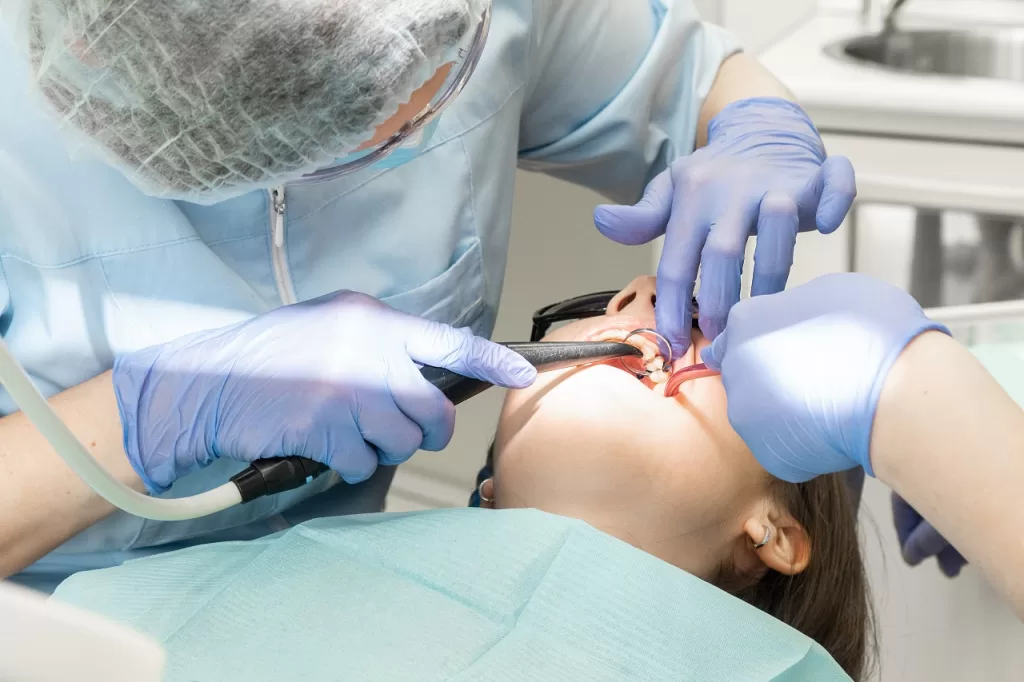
x: 465, y: 594
x: 670, y: 476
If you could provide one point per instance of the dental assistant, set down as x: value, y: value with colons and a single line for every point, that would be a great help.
x: 847, y: 371
x: 232, y: 230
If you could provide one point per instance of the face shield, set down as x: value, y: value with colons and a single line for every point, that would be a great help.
x: 414, y: 136
x: 204, y: 101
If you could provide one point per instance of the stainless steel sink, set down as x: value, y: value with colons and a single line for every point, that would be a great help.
x: 981, y: 53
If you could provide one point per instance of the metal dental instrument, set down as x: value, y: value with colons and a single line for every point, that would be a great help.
x: 271, y: 476
x: 664, y: 349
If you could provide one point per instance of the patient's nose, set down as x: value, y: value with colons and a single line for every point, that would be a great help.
x: 637, y: 298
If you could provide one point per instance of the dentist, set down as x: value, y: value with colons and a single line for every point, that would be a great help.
x: 231, y: 230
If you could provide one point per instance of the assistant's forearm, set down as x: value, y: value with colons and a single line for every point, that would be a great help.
x: 950, y: 441
x: 740, y: 77
x: 42, y: 502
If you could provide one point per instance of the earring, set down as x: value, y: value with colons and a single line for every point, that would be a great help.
x: 767, y: 538
x: 480, y: 491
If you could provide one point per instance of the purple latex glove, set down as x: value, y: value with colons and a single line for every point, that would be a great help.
x: 804, y: 369
x: 334, y: 380
x: 920, y: 541
x: 764, y: 171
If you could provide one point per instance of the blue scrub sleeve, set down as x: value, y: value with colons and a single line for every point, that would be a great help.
x: 615, y: 90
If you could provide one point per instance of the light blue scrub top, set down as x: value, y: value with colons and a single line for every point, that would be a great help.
x: 604, y: 93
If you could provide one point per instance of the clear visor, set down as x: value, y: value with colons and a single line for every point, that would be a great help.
x: 462, y: 64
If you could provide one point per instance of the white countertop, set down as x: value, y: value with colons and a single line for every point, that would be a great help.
x: 854, y: 98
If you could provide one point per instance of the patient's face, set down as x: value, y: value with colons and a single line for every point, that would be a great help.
x: 667, y: 475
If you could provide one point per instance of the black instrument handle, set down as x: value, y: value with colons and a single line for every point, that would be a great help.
x: 279, y: 474
x: 276, y: 475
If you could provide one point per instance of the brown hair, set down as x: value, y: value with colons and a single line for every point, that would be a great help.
x: 829, y: 601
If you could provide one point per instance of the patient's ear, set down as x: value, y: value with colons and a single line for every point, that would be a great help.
x: 788, y: 549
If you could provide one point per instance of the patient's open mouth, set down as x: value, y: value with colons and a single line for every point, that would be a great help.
x: 652, y: 363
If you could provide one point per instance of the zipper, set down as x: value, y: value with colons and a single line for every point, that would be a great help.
x: 278, y: 252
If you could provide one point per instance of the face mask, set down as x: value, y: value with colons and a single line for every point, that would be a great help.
x: 204, y: 101
x: 415, y: 137
x: 406, y: 150
x: 413, y: 147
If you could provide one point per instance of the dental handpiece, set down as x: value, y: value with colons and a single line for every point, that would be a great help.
x: 546, y: 356
x: 276, y: 475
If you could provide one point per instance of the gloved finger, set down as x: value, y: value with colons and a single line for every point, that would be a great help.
x: 951, y: 562
x: 923, y: 542
x: 721, y: 267
x: 354, y: 460
x: 830, y: 193
x: 677, y: 276
x: 777, y: 227
x: 713, y: 355
x: 839, y: 193
x: 385, y: 426
x: 424, y: 404
x: 459, y: 350
x: 644, y: 221
x: 905, y: 518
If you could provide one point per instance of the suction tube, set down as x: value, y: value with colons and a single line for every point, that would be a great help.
x: 71, y: 450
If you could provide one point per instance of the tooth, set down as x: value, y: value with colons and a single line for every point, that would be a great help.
x: 656, y: 364
x: 659, y: 377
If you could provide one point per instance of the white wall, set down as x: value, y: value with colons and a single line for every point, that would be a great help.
x: 757, y: 23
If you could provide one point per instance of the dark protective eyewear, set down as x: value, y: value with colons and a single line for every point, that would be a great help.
x: 577, y: 308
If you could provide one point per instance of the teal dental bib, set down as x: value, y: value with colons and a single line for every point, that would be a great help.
x: 461, y: 594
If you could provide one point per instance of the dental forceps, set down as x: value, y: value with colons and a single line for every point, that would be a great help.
x: 276, y: 475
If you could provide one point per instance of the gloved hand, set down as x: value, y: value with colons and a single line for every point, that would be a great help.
x: 919, y: 540
x: 803, y: 370
x: 333, y: 380
x: 764, y: 171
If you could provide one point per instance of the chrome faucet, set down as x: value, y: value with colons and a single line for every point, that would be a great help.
x: 879, y: 15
